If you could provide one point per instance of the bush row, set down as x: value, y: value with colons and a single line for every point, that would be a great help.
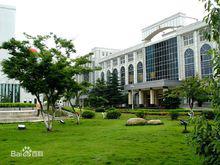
x: 17, y: 105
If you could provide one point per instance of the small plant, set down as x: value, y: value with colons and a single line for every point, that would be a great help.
x: 210, y: 115
x: 140, y: 114
x: 174, y: 115
x: 100, y: 109
x: 88, y: 114
x: 113, y: 114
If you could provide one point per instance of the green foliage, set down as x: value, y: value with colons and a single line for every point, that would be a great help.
x: 88, y: 114
x: 140, y: 114
x: 170, y: 101
x: 174, y: 115
x: 43, y: 69
x: 210, y: 115
x: 17, y: 105
x: 100, y: 109
x: 97, y: 96
x: 106, y: 94
x: 206, y: 140
x: 114, y: 91
x: 111, y: 109
x: 205, y: 136
x: 113, y: 114
x: 191, y: 88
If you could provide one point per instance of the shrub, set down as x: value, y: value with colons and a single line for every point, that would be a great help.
x: 140, y: 114
x: 174, y: 115
x: 100, y: 109
x: 17, y: 105
x: 88, y: 114
x: 113, y: 114
x: 169, y: 101
x: 210, y: 115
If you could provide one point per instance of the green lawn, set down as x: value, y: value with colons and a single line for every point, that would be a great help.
x: 98, y: 141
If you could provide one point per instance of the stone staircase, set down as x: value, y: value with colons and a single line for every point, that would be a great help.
x: 19, y: 116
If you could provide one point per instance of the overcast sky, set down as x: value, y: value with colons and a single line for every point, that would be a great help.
x: 97, y: 23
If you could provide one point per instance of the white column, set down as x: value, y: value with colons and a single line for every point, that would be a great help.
x: 135, y: 67
x: 197, y: 59
x: 129, y: 98
x: 141, y: 97
x: 126, y: 70
x: 152, y: 96
x: 144, y: 65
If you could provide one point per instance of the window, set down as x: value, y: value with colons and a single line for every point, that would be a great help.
x: 102, y: 76
x: 122, y: 59
x: 189, y: 63
x: 108, y: 75
x: 108, y: 63
x: 188, y: 39
x: 206, y: 60
x: 115, y: 72
x: 122, y: 76
x: 115, y: 62
x: 10, y: 92
x: 161, y: 60
x: 130, y: 57
x: 139, y: 72
x: 202, y: 35
x: 103, y: 53
x: 130, y: 74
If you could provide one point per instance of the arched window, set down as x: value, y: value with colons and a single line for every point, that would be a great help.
x: 115, y: 72
x: 122, y: 75
x: 108, y: 75
x: 139, y: 72
x: 103, y: 76
x: 205, y: 60
x: 130, y: 74
x: 189, y: 63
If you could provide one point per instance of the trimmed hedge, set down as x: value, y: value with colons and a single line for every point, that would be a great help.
x: 174, y: 115
x: 88, y: 114
x: 140, y: 114
x: 113, y: 114
x: 17, y: 105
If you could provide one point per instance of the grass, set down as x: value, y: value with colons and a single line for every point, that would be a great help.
x: 99, y: 141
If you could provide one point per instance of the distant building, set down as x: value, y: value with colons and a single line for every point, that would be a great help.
x: 171, y: 50
x: 10, y: 89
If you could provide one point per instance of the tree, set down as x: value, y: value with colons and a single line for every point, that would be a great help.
x: 97, y: 96
x: 73, y: 92
x: 41, y: 69
x: 190, y: 88
x: 170, y: 101
x: 206, y: 137
x: 114, y: 92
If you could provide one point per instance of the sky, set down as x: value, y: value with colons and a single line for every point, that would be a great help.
x: 97, y: 23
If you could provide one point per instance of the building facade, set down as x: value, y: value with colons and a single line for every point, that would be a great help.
x: 10, y: 90
x: 171, y: 50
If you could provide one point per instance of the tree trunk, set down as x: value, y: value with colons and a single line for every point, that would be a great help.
x: 75, y: 113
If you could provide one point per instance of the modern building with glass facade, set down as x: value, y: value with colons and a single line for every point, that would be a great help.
x: 171, y: 50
